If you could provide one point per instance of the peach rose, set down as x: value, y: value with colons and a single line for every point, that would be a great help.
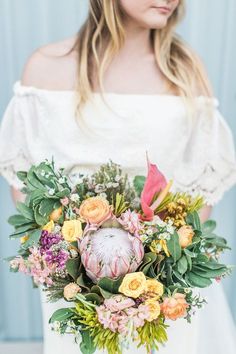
x: 95, y: 210
x: 56, y: 214
x: 174, y: 307
x: 186, y: 234
x: 70, y: 291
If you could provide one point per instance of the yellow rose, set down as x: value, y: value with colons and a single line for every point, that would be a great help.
x: 24, y: 238
x: 154, y: 309
x: 70, y: 291
x: 133, y: 285
x: 49, y: 226
x: 95, y: 209
x: 186, y: 234
x: 56, y: 214
x: 154, y: 288
x: 72, y: 230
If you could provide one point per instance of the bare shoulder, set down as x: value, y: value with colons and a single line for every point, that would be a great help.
x: 51, y: 67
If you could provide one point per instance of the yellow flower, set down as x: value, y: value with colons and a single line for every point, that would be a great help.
x: 154, y: 288
x: 24, y: 238
x: 49, y: 226
x: 56, y: 214
x: 133, y: 285
x: 95, y: 209
x: 154, y: 309
x: 72, y: 230
x: 186, y: 234
x: 70, y: 291
x: 158, y: 245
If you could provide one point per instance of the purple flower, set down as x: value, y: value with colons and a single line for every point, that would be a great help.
x: 56, y: 258
x: 48, y: 239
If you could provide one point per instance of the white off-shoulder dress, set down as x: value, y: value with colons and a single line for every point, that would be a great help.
x: 198, y: 153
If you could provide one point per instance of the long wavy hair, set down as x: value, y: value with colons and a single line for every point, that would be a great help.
x: 103, y: 35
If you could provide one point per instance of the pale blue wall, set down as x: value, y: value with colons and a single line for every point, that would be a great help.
x: 27, y: 24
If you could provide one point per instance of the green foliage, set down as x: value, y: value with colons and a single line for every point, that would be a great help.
x: 73, y: 267
x: 87, y: 345
x: 152, y: 334
x: 120, y: 204
x: 174, y: 247
x: 61, y: 315
x: 148, y: 260
x: 138, y: 183
x: 109, y: 286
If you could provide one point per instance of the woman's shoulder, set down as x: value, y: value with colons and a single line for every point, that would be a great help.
x: 52, y: 66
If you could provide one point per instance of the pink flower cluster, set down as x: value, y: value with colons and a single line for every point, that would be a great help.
x: 34, y: 266
x: 118, y: 312
x: 130, y: 222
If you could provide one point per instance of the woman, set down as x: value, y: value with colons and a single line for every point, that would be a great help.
x: 157, y: 99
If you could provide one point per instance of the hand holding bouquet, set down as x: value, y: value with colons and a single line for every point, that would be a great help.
x: 127, y: 255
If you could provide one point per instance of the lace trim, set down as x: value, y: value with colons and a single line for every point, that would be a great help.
x: 211, y: 183
x: 9, y: 168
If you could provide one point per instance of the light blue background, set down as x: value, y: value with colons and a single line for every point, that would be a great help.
x: 210, y: 27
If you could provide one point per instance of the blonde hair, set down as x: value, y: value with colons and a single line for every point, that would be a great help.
x: 103, y: 35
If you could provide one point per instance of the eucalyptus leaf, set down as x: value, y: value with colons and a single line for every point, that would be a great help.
x: 18, y: 220
x: 182, y: 265
x: 148, y: 259
x: 33, y: 239
x: 196, y: 280
x: 72, y: 267
x: 110, y: 285
x: 26, y: 211
x: 208, y: 226
x: 174, y: 246
x: 61, y: 315
x: 87, y: 346
x: 94, y: 298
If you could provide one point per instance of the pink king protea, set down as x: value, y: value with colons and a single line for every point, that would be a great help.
x: 110, y: 252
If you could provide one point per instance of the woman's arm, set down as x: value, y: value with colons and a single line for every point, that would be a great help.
x: 205, y: 213
x: 17, y: 195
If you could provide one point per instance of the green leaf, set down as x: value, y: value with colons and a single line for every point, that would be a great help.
x: 110, y: 285
x: 182, y: 265
x: 208, y: 226
x: 80, y: 281
x: 22, y: 175
x: 206, y: 273
x: 194, y: 220
x: 25, y: 210
x: 61, y: 315
x: 174, y: 246
x: 40, y: 220
x: 138, y: 183
x: 148, y: 259
x: 64, y: 193
x: 94, y: 298
x: 196, y: 280
x: 46, y: 207
x: 87, y: 345
x: 33, y: 180
x: 72, y: 267
x: 22, y: 230
x: 33, y: 239
x: 18, y: 220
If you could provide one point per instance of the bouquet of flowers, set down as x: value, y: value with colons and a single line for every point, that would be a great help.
x: 126, y: 254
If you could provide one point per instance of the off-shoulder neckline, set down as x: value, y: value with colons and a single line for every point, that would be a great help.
x: 18, y: 87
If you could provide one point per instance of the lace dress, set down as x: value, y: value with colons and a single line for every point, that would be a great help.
x: 198, y: 153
